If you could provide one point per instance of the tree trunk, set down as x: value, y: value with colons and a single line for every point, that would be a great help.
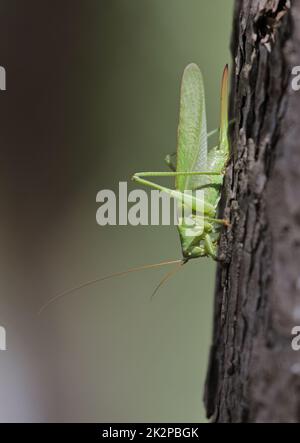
x: 254, y: 374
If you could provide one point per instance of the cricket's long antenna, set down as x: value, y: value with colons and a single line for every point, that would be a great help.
x: 168, y: 276
x: 106, y: 277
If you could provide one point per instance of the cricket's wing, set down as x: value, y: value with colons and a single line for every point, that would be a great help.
x: 192, y: 132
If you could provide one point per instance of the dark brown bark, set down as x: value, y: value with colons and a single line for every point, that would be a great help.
x: 254, y: 375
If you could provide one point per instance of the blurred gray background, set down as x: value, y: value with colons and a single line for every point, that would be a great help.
x: 92, y: 96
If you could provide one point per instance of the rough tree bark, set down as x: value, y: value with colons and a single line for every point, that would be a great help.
x: 254, y: 375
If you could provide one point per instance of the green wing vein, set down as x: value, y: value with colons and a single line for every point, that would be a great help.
x: 192, y: 131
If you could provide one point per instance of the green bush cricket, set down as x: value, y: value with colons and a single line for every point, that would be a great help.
x: 192, y: 171
x: 197, y: 168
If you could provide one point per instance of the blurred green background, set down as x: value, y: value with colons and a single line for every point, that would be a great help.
x: 92, y: 96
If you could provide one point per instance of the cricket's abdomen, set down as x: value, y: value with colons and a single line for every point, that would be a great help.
x: 217, y: 162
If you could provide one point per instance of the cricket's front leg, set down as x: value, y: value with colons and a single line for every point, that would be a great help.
x: 210, y: 248
x: 219, y: 221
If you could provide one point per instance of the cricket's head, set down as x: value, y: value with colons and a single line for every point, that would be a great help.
x: 191, y: 243
x: 198, y: 240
